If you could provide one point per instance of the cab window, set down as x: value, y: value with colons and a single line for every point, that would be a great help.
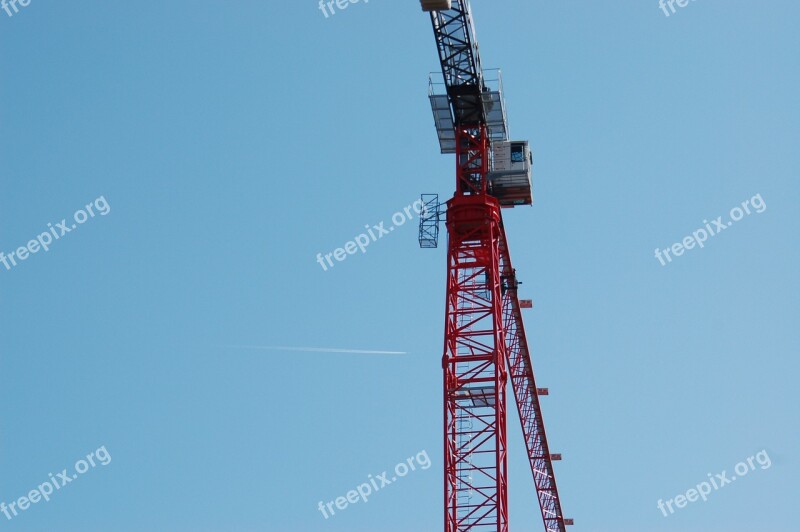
x: 517, y: 153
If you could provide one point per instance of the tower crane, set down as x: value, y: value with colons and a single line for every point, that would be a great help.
x: 484, y: 342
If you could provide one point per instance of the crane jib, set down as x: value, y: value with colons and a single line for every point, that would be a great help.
x: 461, y: 63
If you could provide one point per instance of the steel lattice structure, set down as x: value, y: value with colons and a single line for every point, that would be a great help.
x: 527, y: 397
x: 485, y: 341
x: 475, y: 375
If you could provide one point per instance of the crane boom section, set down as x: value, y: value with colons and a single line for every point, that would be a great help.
x: 454, y: 31
x: 526, y: 394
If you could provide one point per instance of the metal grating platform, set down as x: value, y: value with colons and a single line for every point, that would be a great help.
x: 443, y: 120
x: 429, y: 221
x: 494, y: 107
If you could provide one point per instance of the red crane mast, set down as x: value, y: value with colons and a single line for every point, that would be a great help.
x: 485, y: 343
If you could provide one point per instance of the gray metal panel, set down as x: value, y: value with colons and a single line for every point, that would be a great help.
x: 495, y: 115
x: 443, y: 119
x: 436, y: 5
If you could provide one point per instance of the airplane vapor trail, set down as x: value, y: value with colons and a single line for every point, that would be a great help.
x: 317, y: 349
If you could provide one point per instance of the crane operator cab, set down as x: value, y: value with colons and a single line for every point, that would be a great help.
x: 509, y: 179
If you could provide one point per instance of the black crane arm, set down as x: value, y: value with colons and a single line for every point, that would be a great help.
x: 454, y: 31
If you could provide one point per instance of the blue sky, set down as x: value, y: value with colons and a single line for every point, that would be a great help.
x: 233, y: 142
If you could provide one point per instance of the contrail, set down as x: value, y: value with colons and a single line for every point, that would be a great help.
x: 317, y: 349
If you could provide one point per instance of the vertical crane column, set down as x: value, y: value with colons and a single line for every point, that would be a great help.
x: 474, y: 361
x: 484, y: 335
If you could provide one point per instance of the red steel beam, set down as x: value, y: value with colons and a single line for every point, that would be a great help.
x: 474, y: 360
x: 525, y: 391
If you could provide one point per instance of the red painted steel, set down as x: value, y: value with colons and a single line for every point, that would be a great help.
x: 525, y: 392
x: 484, y: 335
x: 474, y: 361
x: 485, y: 343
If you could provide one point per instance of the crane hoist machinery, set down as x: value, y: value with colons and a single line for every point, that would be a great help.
x: 485, y: 345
